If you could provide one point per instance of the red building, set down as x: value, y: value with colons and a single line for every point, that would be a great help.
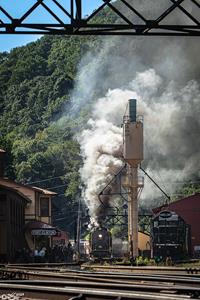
x: 189, y: 209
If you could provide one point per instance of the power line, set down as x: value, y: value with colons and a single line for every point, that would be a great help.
x: 166, y: 195
x: 180, y: 182
x: 58, y: 186
x: 151, y: 156
x: 50, y: 178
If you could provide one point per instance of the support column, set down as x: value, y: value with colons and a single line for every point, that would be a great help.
x: 133, y: 211
x: 78, y: 10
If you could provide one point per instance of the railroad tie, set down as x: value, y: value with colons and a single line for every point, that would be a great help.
x: 79, y: 297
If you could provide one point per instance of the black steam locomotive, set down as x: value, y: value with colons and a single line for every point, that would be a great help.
x: 100, y: 243
x: 170, y: 236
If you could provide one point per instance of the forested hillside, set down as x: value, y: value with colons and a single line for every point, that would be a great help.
x: 36, y: 126
x: 35, y: 86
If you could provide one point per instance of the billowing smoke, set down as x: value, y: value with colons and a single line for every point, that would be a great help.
x: 163, y: 74
x: 171, y: 136
x: 101, y: 146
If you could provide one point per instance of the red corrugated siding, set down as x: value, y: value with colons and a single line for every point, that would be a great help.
x: 189, y: 209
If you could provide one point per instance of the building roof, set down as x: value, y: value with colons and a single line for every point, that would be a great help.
x: 22, y: 188
x: 43, y: 191
x: 195, y: 196
x: 16, y: 191
x: 38, y: 225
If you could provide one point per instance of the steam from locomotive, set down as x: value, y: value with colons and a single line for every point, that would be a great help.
x: 101, y: 146
x: 167, y: 97
x: 167, y: 115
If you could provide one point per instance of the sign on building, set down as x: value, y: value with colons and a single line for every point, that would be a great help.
x: 51, y: 232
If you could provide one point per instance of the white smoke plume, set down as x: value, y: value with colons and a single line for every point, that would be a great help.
x: 171, y: 119
x: 101, y: 146
x: 163, y: 74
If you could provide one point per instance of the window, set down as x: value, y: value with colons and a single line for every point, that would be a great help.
x: 2, y: 205
x: 44, y: 207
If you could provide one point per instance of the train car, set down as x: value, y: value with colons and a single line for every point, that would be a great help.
x: 100, y: 243
x: 170, y: 236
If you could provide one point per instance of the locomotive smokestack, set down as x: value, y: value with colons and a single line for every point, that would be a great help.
x: 132, y: 105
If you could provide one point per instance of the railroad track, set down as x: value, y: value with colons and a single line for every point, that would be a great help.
x: 155, y: 286
x: 43, y: 265
x: 153, y: 283
x: 86, y: 290
x: 95, y: 276
x: 144, y: 270
x: 55, y: 283
x: 107, y: 268
x: 57, y: 267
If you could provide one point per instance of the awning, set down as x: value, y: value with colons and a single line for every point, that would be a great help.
x: 38, y: 228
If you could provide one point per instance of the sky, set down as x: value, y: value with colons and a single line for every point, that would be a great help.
x: 17, y: 8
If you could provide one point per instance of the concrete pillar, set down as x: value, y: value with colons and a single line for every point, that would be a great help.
x: 133, y: 211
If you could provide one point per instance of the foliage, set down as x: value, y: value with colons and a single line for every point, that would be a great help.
x: 36, y: 128
x: 142, y: 261
x: 187, y: 190
x: 35, y: 86
x: 119, y: 232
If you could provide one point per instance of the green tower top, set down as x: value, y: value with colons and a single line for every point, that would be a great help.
x: 132, y: 110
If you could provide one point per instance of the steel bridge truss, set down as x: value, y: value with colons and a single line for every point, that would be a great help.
x: 118, y: 218
x: 116, y: 214
x: 69, y: 19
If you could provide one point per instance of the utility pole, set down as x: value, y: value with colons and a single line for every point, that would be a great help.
x: 78, y: 235
x: 133, y: 155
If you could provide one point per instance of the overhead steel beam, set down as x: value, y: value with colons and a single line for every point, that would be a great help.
x: 78, y: 10
x: 69, y: 19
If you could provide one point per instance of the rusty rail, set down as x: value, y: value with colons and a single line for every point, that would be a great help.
x: 84, y: 293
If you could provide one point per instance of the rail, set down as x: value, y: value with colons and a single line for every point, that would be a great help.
x: 79, y: 292
x: 171, y: 283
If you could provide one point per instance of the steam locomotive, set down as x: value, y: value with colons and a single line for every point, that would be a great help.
x: 100, y: 243
x: 170, y: 236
